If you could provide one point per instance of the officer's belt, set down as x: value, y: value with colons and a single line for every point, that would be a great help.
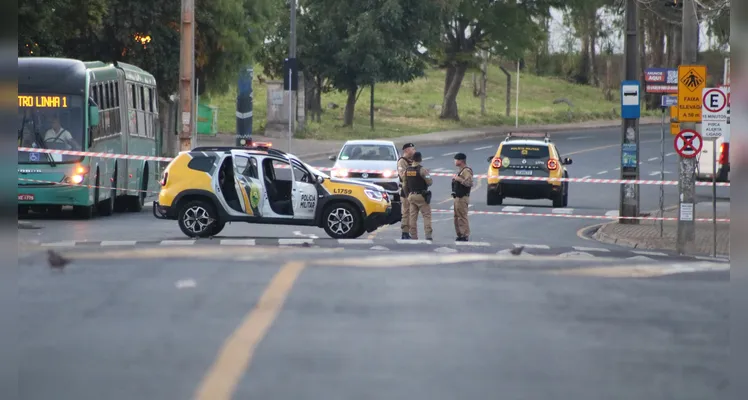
x: 421, y: 192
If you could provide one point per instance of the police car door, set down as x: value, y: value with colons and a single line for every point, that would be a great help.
x: 249, y: 187
x: 305, y: 192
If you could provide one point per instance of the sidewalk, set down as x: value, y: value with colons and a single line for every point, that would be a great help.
x: 310, y: 148
x: 646, y: 235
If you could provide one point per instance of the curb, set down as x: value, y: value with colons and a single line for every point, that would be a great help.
x: 490, y: 132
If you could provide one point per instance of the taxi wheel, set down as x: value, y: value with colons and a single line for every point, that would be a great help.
x: 197, y: 218
x: 343, y: 221
x: 493, y: 199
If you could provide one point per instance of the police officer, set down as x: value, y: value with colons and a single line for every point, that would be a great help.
x: 402, y: 164
x: 462, y: 183
x: 417, y: 182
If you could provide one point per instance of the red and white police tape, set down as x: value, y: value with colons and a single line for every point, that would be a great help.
x: 368, y: 171
x: 472, y: 212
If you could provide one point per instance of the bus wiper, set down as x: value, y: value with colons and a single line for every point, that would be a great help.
x: 40, y: 143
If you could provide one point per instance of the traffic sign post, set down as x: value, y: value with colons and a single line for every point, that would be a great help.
x: 630, y: 112
x: 715, y: 115
x: 688, y: 142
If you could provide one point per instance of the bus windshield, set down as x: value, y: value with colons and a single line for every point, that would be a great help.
x: 51, y: 121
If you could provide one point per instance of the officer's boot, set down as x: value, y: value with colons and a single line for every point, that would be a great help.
x: 406, y: 235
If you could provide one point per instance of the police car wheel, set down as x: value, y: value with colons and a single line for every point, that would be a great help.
x: 197, y: 218
x: 342, y: 221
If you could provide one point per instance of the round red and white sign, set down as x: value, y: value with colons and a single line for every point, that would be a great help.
x: 714, y: 100
x: 688, y: 143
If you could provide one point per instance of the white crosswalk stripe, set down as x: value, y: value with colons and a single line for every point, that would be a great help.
x: 476, y: 244
x: 590, y: 249
x: 68, y: 243
x: 483, y: 148
x: 562, y: 211
x: 576, y: 254
x: 176, y: 242
x: 295, y: 241
x: 512, y: 208
x: 533, y: 246
x: 118, y: 242
x: 237, y: 242
x: 612, y: 213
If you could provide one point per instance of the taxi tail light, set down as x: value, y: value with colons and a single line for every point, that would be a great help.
x: 724, y: 154
x: 496, y: 163
x: 164, y: 179
x: 552, y: 165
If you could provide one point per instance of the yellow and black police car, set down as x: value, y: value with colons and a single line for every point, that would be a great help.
x: 207, y: 187
x: 528, y: 155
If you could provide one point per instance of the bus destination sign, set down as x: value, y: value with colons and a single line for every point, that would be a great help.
x: 47, y: 101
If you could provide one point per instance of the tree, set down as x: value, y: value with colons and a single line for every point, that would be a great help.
x: 147, y: 34
x: 355, y: 45
x: 505, y: 28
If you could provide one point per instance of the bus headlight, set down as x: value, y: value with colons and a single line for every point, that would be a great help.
x: 76, y: 179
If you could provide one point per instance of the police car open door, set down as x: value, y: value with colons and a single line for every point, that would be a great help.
x: 304, y: 192
x: 248, y: 184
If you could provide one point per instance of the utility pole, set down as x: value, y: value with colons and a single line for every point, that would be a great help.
x: 687, y: 166
x: 187, y: 74
x: 629, y: 195
x: 292, y: 73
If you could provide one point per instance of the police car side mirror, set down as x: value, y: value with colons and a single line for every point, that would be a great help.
x: 331, y: 158
x: 489, y: 159
x: 320, y: 179
x: 567, y: 161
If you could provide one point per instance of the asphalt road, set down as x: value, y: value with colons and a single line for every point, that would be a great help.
x: 275, y: 323
x: 595, y: 154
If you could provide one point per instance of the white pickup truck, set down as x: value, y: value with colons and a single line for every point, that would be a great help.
x: 706, y: 169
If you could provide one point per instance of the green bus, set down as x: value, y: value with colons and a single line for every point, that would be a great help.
x: 66, y: 104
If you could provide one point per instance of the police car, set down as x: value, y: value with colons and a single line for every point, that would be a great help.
x: 207, y: 187
x: 528, y: 155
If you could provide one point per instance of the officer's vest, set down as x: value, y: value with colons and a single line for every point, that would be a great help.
x: 414, y: 180
x: 459, y: 189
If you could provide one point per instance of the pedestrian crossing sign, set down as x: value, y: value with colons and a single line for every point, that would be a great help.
x: 691, y: 82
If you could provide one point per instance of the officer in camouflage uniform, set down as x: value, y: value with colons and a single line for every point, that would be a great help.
x: 461, y: 186
x: 417, y: 182
x: 402, y: 164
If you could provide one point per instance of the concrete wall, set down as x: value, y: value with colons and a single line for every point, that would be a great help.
x: 276, y: 124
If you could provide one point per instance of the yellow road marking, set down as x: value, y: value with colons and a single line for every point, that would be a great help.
x: 236, y: 354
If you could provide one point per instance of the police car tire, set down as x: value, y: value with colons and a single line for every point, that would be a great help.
x: 217, y: 228
x: 357, y: 229
x: 209, y: 209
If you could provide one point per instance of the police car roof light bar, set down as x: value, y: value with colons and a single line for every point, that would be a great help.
x: 525, y: 135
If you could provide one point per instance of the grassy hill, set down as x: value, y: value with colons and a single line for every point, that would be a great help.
x: 414, y: 107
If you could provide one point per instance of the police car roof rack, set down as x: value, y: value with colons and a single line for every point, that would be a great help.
x: 527, y: 135
x: 257, y: 146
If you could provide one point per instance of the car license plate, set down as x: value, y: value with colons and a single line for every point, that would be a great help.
x: 523, y: 172
x: 25, y: 197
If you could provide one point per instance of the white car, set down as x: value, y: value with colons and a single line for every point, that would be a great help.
x: 372, y: 161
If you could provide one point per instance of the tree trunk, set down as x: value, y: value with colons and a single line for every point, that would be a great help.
x: 318, y: 97
x: 593, y: 32
x: 448, y: 76
x: 350, y: 106
x: 451, y: 89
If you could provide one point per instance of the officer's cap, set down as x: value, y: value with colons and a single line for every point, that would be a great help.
x: 417, y: 156
x: 408, y: 145
x: 460, y: 156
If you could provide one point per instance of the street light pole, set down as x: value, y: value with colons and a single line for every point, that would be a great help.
x: 292, y: 73
x: 187, y: 74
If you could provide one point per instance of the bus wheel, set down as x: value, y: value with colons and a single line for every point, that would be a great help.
x: 106, y: 207
x: 83, y: 212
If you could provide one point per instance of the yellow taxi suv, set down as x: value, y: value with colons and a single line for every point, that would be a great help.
x: 528, y: 155
x: 207, y: 187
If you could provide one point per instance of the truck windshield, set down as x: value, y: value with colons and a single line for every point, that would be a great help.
x: 50, y: 121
